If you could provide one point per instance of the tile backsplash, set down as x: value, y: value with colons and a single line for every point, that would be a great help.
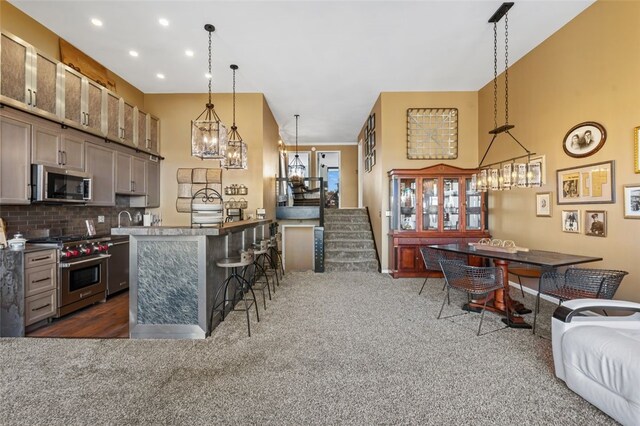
x: 66, y: 219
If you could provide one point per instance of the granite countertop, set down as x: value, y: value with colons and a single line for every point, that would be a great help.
x: 225, y: 229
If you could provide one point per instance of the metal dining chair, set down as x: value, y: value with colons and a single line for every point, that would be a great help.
x: 578, y: 283
x: 473, y: 280
x: 431, y: 259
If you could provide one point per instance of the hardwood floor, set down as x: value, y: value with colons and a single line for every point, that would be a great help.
x: 102, y: 320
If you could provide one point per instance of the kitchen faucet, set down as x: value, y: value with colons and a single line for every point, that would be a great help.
x: 128, y: 214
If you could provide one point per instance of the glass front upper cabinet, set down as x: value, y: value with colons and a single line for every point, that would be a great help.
x: 430, y: 211
x: 408, y: 204
x: 473, y: 209
x: 451, y: 205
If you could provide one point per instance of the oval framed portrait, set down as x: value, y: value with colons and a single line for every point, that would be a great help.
x: 584, y: 139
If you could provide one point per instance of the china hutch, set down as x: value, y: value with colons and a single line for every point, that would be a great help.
x: 433, y: 205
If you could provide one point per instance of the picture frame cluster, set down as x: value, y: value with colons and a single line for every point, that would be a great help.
x: 370, y: 143
x: 595, y: 222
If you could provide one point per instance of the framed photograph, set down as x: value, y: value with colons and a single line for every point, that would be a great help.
x: 571, y: 221
x: 632, y: 201
x: 590, y: 184
x: 543, y: 204
x: 636, y: 149
x: 595, y: 223
x: 584, y: 139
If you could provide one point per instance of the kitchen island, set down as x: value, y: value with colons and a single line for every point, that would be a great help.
x: 173, y: 276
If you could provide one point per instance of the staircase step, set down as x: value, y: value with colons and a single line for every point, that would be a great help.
x: 348, y: 244
x: 350, y: 265
x: 345, y: 212
x: 346, y: 226
x: 350, y: 254
x: 348, y: 235
x: 346, y: 219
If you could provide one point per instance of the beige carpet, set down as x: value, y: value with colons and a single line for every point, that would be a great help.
x: 348, y: 348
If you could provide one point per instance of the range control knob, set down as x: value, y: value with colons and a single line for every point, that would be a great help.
x: 85, y: 250
x: 64, y: 254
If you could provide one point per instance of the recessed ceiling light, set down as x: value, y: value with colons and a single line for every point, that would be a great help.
x: 133, y: 53
x: 189, y: 53
x: 208, y: 76
x: 160, y: 76
x: 96, y: 22
x: 164, y: 22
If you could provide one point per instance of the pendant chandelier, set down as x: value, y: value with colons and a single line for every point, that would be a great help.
x: 236, y: 155
x: 296, y: 168
x: 208, y: 134
x: 509, y: 173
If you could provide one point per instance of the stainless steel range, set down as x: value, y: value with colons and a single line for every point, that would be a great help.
x: 82, y: 270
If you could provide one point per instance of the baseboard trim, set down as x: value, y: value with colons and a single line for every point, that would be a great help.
x: 533, y: 292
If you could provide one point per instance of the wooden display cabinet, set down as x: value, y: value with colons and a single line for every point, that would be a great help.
x: 433, y: 205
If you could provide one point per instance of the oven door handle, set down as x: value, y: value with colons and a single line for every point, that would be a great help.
x: 80, y: 262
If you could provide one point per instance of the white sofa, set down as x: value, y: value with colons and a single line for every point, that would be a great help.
x: 598, y: 357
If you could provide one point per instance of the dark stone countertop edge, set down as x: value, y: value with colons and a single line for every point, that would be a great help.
x: 227, y: 228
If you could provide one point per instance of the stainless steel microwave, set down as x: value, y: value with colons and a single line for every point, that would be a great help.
x: 54, y: 185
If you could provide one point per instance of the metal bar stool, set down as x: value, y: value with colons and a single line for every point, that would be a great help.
x: 243, y: 287
x: 276, y: 254
x: 268, y: 261
x: 261, y: 272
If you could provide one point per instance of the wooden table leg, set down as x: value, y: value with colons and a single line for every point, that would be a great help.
x: 503, y: 299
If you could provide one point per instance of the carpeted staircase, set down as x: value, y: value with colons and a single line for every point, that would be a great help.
x: 348, y: 241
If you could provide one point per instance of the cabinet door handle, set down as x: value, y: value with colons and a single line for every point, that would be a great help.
x: 30, y: 96
x: 84, y: 119
x: 35, y: 99
x: 64, y: 155
x: 88, y: 115
x: 37, y: 259
x: 41, y: 307
x: 41, y: 280
x: 60, y: 158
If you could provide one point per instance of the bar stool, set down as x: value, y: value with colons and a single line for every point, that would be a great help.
x: 261, y: 275
x: 276, y: 254
x: 266, y: 261
x: 243, y: 286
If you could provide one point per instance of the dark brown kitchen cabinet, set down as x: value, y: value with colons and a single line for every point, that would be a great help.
x: 15, y: 146
x: 152, y: 197
x: 433, y: 205
x: 100, y: 164
x: 29, y: 79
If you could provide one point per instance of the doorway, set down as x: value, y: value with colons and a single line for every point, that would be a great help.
x: 328, y: 167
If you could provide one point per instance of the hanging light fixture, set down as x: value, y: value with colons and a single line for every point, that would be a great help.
x: 208, y: 134
x: 489, y: 177
x: 296, y: 168
x: 236, y: 155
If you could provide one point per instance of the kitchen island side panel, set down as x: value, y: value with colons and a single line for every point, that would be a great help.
x: 12, y: 322
x: 167, y: 282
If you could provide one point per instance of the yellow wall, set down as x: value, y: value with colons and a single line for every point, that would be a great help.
x: 572, y: 77
x: 373, y: 181
x: 176, y: 112
x: 391, y: 148
x: 348, y: 170
x: 14, y: 21
x: 270, y: 155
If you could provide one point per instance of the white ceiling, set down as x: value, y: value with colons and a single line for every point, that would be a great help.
x: 324, y: 60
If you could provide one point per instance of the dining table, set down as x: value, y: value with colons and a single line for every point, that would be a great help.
x: 499, y: 301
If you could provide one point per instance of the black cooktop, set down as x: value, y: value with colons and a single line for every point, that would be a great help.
x: 65, y: 239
